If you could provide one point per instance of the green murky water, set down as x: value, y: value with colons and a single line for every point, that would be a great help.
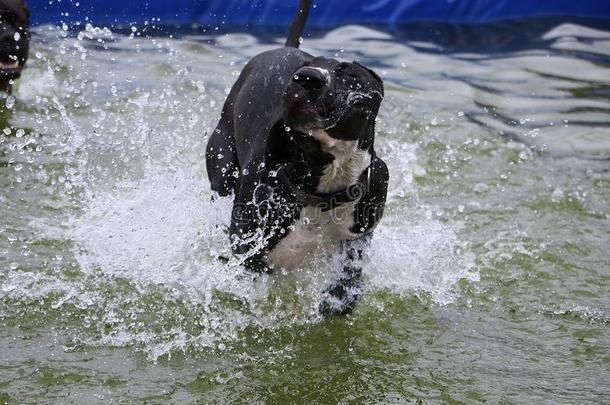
x: 489, y: 278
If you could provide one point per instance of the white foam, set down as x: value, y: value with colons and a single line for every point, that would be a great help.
x: 144, y: 227
x: 421, y: 256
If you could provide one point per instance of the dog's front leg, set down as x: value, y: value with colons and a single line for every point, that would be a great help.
x: 341, y: 296
x: 250, y: 228
x: 262, y: 214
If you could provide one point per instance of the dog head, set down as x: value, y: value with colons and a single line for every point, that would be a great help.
x: 336, y: 99
x: 14, y: 40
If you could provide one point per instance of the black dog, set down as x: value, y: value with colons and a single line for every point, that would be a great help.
x: 14, y: 41
x: 295, y: 145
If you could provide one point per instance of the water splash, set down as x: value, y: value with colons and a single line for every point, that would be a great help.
x: 147, y: 240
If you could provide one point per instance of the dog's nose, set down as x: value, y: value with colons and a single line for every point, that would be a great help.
x: 311, y: 78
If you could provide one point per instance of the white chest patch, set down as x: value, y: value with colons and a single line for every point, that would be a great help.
x: 348, y: 165
x: 319, y: 231
x: 314, y: 232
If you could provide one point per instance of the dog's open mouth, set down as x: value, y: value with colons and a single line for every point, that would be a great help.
x: 10, y: 62
x: 10, y: 70
x: 321, y: 109
x: 13, y: 65
x: 309, y: 117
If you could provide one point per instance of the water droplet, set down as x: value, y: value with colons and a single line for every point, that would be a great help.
x: 10, y: 102
x: 557, y: 195
x: 480, y: 188
x: 17, y: 36
x: 287, y: 128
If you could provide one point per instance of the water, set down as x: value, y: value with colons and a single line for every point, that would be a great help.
x: 489, y: 275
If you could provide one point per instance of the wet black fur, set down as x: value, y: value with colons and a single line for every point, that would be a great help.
x: 14, y: 18
x: 259, y: 135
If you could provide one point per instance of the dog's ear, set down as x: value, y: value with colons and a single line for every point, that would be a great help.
x: 372, y: 72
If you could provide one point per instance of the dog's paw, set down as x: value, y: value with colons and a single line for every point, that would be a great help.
x: 258, y: 264
x: 339, y: 300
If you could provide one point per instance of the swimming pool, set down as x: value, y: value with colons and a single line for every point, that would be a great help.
x: 489, y: 273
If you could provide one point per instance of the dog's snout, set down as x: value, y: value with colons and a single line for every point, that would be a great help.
x: 311, y: 78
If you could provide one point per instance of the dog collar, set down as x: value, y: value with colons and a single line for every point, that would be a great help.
x: 329, y: 201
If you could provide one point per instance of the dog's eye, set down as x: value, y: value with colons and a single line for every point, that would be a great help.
x: 360, y: 108
x: 357, y: 101
x: 358, y: 104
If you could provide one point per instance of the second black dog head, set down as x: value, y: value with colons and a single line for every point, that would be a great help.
x: 14, y: 40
